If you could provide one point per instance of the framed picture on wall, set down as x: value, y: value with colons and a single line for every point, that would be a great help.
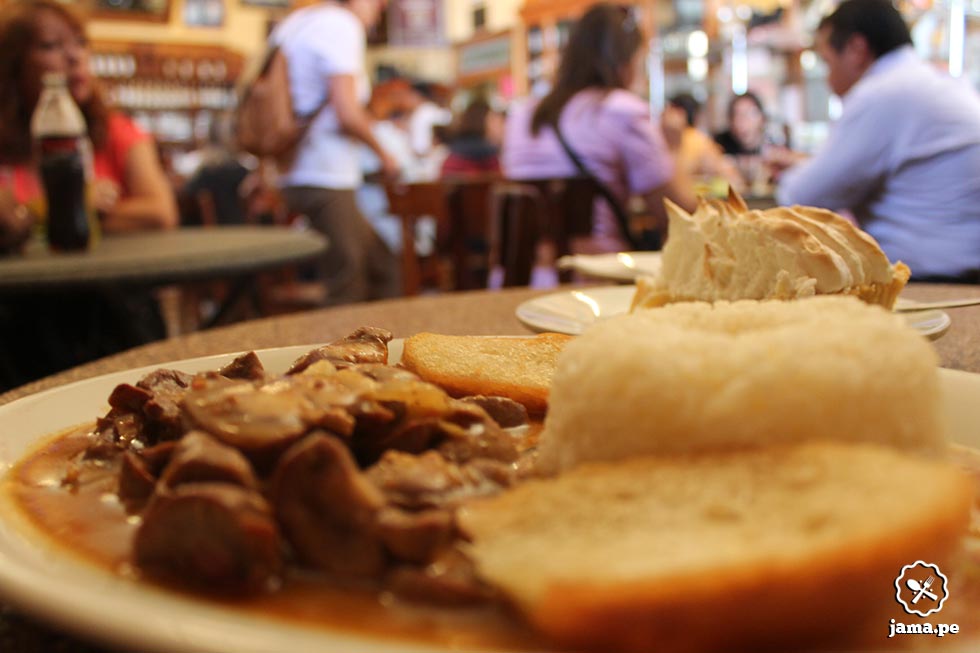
x: 157, y: 11
x: 278, y: 4
x: 204, y: 13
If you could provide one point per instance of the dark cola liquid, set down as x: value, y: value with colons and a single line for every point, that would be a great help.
x: 62, y: 171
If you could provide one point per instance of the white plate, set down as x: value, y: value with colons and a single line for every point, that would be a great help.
x: 574, y: 311
x: 624, y: 266
x: 48, y: 582
x: 45, y: 581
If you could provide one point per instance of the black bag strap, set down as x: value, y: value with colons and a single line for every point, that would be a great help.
x: 604, y: 191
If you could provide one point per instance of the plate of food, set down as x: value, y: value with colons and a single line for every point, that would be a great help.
x: 68, y: 528
x: 621, y: 266
x: 326, y: 499
x: 574, y: 311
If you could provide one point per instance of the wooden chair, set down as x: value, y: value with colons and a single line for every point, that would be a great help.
x: 470, y: 204
x: 411, y: 202
x: 461, y: 209
x: 532, y: 212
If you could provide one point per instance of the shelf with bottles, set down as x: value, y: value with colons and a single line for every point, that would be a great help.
x: 173, y: 91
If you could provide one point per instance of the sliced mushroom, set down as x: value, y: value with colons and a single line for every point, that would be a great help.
x: 243, y: 415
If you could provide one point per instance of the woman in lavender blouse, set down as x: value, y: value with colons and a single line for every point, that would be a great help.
x: 609, y: 127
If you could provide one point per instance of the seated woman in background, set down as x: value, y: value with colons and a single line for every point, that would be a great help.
x: 605, y: 124
x: 130, y: 193
x: 474, y: 142
x: 744, y: 140
x: 698, y: 155
x: 746, y: 131
x: 37, y: 37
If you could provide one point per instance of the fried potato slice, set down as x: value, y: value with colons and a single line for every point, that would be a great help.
x: 519, y: 368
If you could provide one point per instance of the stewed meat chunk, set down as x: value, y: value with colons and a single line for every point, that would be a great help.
x: 504, y: 411
x: 247, y: 366
x: 328, y: 509
x: 428, y: 480
x: 423, y: 417
x: 116, y: 432
x: 365, y: 345
x: 451, y: 579
x: 217, y: 536
x: 163, y: 419
x: 165, y: 381
x: 140, y: 471
x: 416, y: 536
x: 470, y: 434
x: 199, y: 458
x: 129, y: 398
x: 141, y: 415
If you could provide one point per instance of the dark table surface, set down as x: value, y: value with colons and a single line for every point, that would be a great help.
x: 159, y: 258
x: 477, y: 313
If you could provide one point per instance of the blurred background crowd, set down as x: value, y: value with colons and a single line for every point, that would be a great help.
x: 869, y: 108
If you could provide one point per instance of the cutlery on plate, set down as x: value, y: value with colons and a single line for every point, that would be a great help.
x: 910, y: 305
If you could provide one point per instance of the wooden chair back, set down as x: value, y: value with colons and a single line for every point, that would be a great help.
x: 410, y: 202
x: 461, y: 209
x: 529, y: 212
x: 469, y: 202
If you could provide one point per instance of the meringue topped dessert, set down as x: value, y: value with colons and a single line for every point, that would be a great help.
x: 724, y: 251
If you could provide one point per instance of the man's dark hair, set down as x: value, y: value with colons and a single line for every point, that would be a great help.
x: 876, y: 20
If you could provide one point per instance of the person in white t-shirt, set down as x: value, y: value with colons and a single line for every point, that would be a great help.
x: 324, y: 45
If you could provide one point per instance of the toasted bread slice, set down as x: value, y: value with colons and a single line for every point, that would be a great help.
x: 516, y: 367
x: 781, y: 546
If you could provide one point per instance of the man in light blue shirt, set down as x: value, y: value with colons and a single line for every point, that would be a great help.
x: 904, y: 157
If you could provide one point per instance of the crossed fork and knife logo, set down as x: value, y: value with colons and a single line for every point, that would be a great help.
x: 917, y: 580
x: 921, y: 589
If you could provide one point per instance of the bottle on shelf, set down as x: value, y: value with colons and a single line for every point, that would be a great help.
x: 63, y: 156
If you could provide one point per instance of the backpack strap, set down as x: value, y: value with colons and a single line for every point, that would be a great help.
x: 271, y: 48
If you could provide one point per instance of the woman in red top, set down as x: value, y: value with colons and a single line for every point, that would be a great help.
x: 44, y: 333
x: 131, y: 191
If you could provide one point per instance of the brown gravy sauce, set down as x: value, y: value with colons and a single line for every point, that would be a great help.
x: 90, y: 523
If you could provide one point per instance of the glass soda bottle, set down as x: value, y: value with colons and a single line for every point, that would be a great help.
x: 63, y: 155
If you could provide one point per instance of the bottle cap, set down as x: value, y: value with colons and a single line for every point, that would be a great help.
x: 53, y: 79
